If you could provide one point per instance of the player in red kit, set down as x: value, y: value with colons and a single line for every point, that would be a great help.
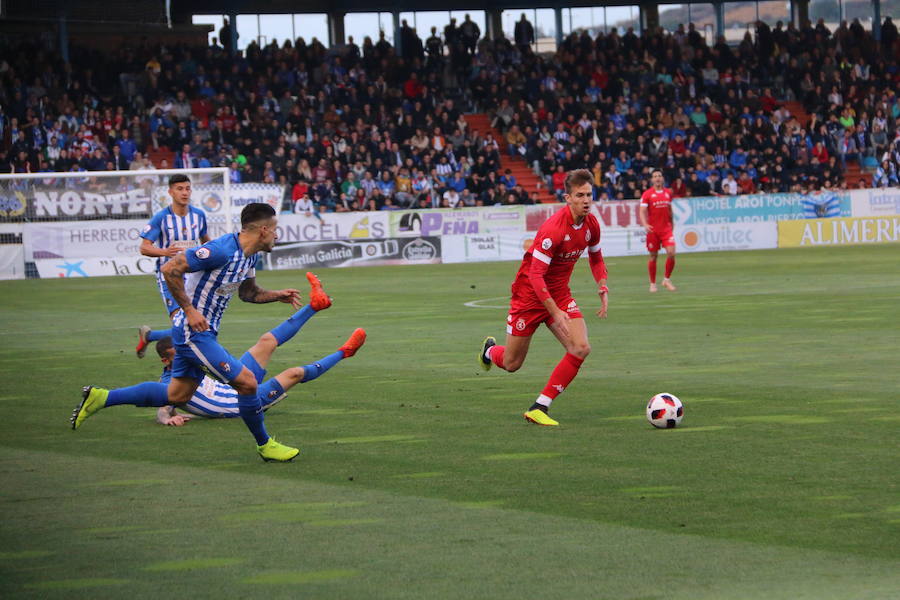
x: 656, y: 219
x: 540, y: 294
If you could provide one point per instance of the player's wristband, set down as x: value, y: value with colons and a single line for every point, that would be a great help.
x: 604, y: 290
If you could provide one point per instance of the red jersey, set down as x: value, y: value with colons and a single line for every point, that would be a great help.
x: 558, y: 245
x: 659, y: 208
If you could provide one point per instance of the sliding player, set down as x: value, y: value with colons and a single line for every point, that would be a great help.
x: 215, y: 399
x: 173, y: 229
x: 656, y: 218
x: 216, y: 270
x: 540, y: 294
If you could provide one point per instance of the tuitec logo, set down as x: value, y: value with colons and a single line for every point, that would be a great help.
x: 690, y: 238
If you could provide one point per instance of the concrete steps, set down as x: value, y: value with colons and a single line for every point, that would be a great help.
x: 517, y: 165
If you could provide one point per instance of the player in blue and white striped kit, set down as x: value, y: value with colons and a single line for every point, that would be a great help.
x: 170, y: 231
x: 214, y: 399
x: 214, y: 272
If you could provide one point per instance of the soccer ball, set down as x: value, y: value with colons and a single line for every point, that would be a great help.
x: 664, y: 411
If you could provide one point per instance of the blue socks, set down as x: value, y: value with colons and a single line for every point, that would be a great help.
x: 251, y: 412
x: 158, y: 334
x: 149, y: 393
x: 312, y: 371
x: 288, y: 329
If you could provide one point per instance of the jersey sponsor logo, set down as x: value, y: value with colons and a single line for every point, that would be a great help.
x: 546, y: 243
x: 184, y: 244
x: 520, y: 324
x: 202, y: 253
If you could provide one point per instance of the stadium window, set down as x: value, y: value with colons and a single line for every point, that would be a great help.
x: 772, y: 11
x: 248, y: 30
x: 830, y: 10
x: 425, y: 20
x: 545, y: 29
x: 739, y: 20
x: 217, y: 21
x: 703, y: 16
x: 864, y: 12
x: 363, y: 24
x: 623, y: 17
x: 673, y: 15
x: 479, y: 16
x: 311, y: 25
x: 277, y: 28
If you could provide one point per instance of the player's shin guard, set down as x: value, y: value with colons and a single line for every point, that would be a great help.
x: 670, y: 266
x: 651, y: 269
x: 315, y: 369
x: 289, y: 328
x: 559, y: 380
x: 157, y: 334
x: 495, y: 353
x: 149, y: 393
x: 250, y: 409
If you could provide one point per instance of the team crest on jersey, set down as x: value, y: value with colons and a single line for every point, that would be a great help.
x: 546, y: 243
x: 202, y: 252
x: 225, y: 366
x: 520, y: 324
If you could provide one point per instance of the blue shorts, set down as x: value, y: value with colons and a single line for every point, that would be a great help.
x: 167, y: 298
x: 202, y: 354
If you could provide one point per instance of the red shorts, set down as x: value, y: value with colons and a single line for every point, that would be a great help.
x: 660, y: 238
x: 523, y: 321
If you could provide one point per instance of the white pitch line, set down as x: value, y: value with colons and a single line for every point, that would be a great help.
x: 477, y: 303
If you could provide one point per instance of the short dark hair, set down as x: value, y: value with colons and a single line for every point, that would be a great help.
x: 577, y: 178
x: 178, y: 178
x: 255, y: 212
x: 163, y: 345
x: 656, y: 171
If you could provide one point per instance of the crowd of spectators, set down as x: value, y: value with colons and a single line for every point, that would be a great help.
x: 374, y: 127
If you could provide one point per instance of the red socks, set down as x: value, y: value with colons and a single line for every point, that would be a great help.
x: 497, y: 355
x: 562, y: 376
x: 670, y: 266
x: 651, y: 268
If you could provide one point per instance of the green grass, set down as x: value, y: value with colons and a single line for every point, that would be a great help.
x: 418, y: 477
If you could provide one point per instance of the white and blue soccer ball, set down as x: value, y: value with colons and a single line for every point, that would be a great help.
x: 665, y: 411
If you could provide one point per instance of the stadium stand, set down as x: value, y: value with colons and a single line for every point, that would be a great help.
x: 356, y: 128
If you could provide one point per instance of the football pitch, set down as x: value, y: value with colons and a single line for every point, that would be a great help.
x: 418, y: 476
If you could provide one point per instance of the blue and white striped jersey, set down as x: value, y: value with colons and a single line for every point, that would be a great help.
x: 168, y: 230
x: 215, y: 271
x: 216, y: 400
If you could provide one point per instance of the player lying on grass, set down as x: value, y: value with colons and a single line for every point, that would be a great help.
x: 156, y: 394
x: 541, y: 294
x: 214, y: 399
